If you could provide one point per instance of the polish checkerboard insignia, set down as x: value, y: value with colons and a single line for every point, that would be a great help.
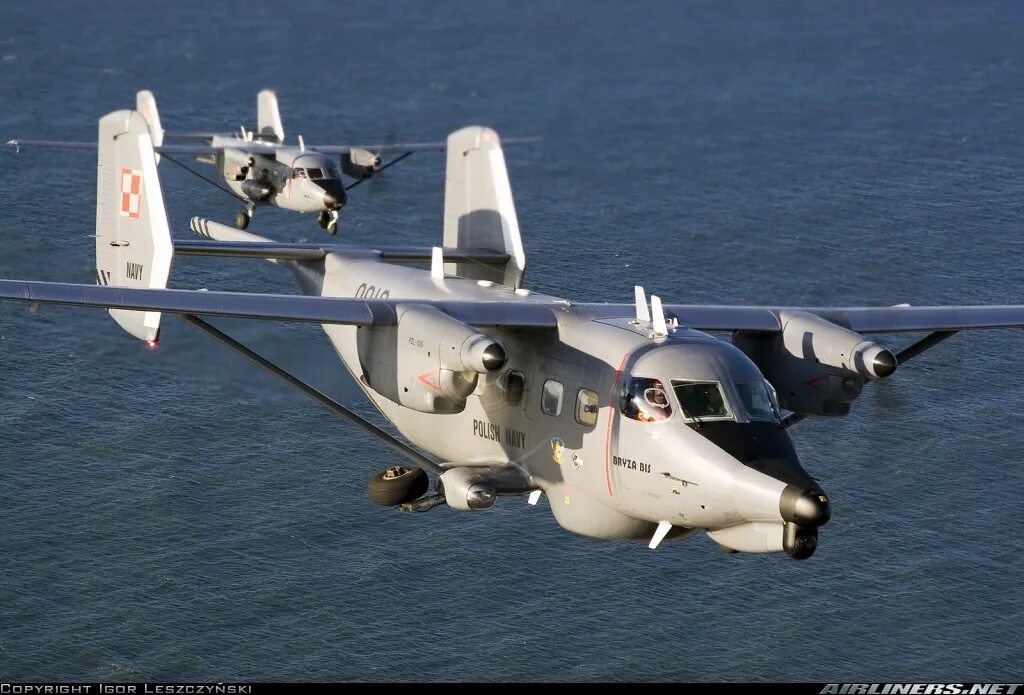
x: 131, y: 193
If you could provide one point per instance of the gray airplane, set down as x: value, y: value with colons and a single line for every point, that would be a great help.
x: 259, y: 169
x: 631, y: 418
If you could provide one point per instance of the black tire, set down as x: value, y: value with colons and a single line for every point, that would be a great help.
x: 397, y: 485
x: 242, y: 220
x: 323, y: 219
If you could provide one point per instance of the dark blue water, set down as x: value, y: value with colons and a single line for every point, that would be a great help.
x: 179, y: 515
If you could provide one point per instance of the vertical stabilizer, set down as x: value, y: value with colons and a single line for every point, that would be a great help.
x: 133, y: 241
x: 268, y: 117
x: 478, y: 208
x: 145, y: 104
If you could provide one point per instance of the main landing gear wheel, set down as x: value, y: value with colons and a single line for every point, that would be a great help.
x: 397, y: 485
x: 243, y: 219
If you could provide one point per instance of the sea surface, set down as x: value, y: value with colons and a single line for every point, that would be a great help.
x: 178, y: 514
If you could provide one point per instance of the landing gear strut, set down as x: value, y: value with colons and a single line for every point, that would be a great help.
x: 328, y: 219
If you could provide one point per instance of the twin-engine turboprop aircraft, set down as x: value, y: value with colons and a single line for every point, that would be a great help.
x: 257, y: 166
x: 631, y: 418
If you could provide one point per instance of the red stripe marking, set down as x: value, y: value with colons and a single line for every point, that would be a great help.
x: 136, y: 184
x: 608, y: 434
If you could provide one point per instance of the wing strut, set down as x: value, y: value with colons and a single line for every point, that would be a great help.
x: 905, y: 355
x: 394, y: 161
x: 317, y: 395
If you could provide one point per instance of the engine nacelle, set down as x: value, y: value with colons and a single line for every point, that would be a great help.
x: 256, y: 190
x: 234, y: 164
x: 468, y: 489
x: 359, y: 163
x: 429, y: 361
x: 816, y: 366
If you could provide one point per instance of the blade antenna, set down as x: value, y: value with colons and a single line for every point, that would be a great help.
x: 643, y: 314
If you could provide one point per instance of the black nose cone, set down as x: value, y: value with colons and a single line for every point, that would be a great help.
x: 808, y: 508
x: 884, y: 363
x: 494, y: 357
x: 334, y: 193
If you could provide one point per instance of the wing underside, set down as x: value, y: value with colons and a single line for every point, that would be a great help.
x: 331, y: 310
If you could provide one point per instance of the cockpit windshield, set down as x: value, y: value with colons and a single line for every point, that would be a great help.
x: 645, y: 400
x: 315, y: 173
x: 757, y: 400
x: 701, y: 400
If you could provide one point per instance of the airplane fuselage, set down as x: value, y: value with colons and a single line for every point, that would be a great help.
x: 291, y: 178
x: 556, y: 410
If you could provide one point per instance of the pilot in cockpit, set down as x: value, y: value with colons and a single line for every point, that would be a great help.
x: 653, y: 406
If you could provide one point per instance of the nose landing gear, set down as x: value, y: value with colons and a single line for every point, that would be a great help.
x: 328, y: 219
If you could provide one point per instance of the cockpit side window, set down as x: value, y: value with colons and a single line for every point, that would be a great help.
x: 645, y: 400
x: 757, y: 400
x: 298, y: 173
x: 551, y: 397
x: 701, y: 399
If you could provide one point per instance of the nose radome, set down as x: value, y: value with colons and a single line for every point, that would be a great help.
x: 805, y: 507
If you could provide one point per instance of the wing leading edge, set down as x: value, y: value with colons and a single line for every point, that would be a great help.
x: 336, y: 310
x: 897, y: 319
x: 272, y: 307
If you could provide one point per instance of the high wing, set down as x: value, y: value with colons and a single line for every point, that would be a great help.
x: 407, y: 147
x: 253, y: 147
x: 62, y: 144
x: 273, y: 307
x: 382, y: 312
x: 256, y: 147
x: 896, y: 319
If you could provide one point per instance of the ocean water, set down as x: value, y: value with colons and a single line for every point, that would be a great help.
x: 177, y: 514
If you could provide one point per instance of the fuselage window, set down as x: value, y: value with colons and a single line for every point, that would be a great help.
x: 701, y: 399
x: 586, y: 408
x: 757, y: 400
x: 514, y: 386
x: 551, y: 398
x: 645, y: 400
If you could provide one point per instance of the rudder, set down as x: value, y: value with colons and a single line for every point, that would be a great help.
x: 133, y: 240
x: 145, y: 104
x: 268, y: 118
x: 478, y: 209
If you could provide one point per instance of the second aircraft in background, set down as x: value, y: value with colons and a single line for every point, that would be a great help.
x: 259, y: 169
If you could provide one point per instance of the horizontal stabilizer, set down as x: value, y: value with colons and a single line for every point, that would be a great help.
x: 317, y: 252
x: 249, y: 249
x: 231, y: 242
